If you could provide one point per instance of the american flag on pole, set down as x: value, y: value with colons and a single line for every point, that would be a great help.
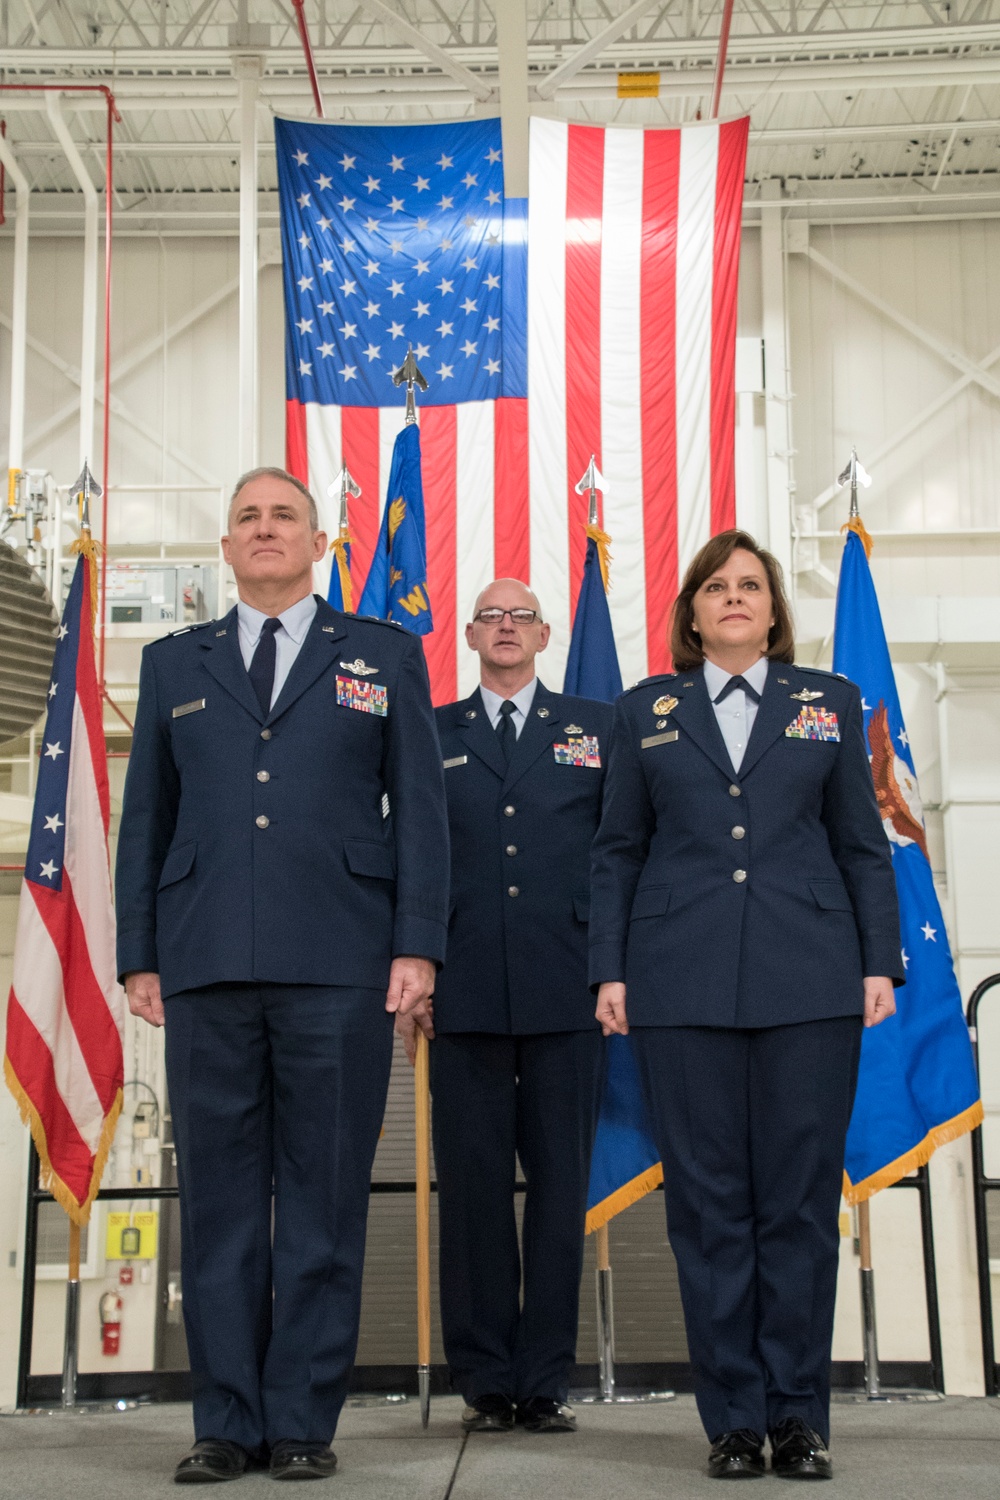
x: 599, y: 317
x: 65, y: 1010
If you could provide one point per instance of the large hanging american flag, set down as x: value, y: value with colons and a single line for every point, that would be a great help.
x: 600, y: 317
x: 65, y: 1011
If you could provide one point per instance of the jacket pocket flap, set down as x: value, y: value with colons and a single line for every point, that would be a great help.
x: 831, y: 895
x: 581, y: 908
x: 652, y: 902
x: 366, y: 857
x: 177, y: 864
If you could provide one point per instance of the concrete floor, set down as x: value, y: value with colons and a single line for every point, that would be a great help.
x: 948, y: 1450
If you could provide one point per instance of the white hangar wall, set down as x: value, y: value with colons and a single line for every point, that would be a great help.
x: 880, y: 321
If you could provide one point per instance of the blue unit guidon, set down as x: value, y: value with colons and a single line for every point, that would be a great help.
x: 393, y: 237
x: 917, y: 1084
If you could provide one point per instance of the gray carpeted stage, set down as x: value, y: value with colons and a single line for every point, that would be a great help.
x: 944, y: 1450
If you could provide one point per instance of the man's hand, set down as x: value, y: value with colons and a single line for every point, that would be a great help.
x: 611, y: 1009
x: 421, y: 1015
x: 880, y: 999
x: 142, y: 991
x: 411, y: 983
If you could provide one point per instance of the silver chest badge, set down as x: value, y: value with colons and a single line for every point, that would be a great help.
x: 359, y: 668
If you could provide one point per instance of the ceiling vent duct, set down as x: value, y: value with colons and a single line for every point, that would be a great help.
x: 28, y: 629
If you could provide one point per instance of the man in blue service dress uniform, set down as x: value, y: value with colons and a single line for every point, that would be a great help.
x: 516, y: 1066
x: 273, y: 915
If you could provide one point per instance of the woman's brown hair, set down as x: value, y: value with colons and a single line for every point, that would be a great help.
x: 685, y: 644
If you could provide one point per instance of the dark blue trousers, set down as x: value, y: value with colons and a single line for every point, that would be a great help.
x: 283, y: 1085
x: 498, y: 1099
x: 751, y: 1126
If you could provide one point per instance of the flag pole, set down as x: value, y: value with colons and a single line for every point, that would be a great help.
x: 71, y: 1337
x: 869, y: 1328
x: 421, y: 1077
x: 605, y: 1318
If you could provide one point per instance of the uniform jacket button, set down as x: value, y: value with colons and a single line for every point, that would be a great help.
x: 262, y: 822
x: 509, y: 810
x: 738, y: 832
x: 265, y: 734
x: 739, y: 876
x: 734, y: 790
x: 512, y: 890
x: 511, y: 848
x: 263, y: 775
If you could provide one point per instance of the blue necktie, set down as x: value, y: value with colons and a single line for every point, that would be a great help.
x: 261, y: 669
x: 506, y: 733
x: 738, y: 682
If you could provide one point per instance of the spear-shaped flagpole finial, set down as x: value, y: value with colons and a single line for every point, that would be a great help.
x: 411, y: 373
x: 345, y: 484
x: 589, y: 484
x: 84, y: 490
x: 854, y: 474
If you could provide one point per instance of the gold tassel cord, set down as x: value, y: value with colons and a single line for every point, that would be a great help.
x: 595, y: 534
x: 86, y: 546
x: 339, y: 548
x: 856, y: 524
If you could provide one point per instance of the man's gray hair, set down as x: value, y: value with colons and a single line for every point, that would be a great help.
x: 274, y: 473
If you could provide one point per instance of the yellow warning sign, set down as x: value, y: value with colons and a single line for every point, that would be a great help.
x: 131, y: 1236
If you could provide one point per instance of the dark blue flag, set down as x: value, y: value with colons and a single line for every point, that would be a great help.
x: 397, y: 579
x: 625, y: 1164
x: 917, y: 1087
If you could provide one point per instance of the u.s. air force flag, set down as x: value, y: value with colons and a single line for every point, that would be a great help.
x: 397, y: 579
x: 917, y: 1086
x: 625, y: 1164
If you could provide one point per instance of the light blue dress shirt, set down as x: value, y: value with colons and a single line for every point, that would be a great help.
x: 736, y: 713
x: 295, y: 622
x: 521, y: 700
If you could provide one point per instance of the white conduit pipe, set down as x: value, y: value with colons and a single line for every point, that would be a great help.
x: 88, y: 351
x: 19, y: 309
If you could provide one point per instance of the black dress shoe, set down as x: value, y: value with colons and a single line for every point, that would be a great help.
x: 293, y: 1460
x: 545, y: 1414
x: 737, y: 1455
x: 211, y: 1461
x: 798, y: 1452
x: 489, y: 1413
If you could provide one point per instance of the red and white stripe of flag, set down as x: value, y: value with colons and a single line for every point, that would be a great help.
x: 632, y: 278
x: 65, y: 1011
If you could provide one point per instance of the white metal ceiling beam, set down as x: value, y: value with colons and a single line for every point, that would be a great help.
x: 19, y: 307
x: 512, y: 57
x: 589, y: 50
x: 88, y: 354
x: 477, y: 87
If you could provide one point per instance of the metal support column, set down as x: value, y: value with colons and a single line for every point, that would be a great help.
x: 88, y: 344
x: 777, y: 416
x: 248, y: 69
x: 19, y: 307
x: 512, y: 58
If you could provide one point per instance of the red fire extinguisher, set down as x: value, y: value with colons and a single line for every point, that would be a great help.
x: 111, y: 1323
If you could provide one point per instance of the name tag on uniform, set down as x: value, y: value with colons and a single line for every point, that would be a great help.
x: 659, y: 739
x: 187, y: 708
x: 456, y: 760
x: 584, y: 751
x: 366, y: 697
x: 814, y: 724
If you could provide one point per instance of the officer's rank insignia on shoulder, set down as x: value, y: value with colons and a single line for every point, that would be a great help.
x: 814, y: 724
x: 366, y: 697
x: 359, y: 668
x: 647, y: 682
x: 585, y: 751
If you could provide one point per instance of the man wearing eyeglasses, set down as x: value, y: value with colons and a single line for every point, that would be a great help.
x: 516, y: 1065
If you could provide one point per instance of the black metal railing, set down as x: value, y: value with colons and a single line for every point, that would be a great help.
x: 982, y: 1186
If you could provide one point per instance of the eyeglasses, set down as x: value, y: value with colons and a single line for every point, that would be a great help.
x: 517, y: 616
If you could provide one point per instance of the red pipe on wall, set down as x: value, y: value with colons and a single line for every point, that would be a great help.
x: 300, y: 21
x: 112, y: 116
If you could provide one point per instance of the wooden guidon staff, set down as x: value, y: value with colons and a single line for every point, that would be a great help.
x: 421, y: 1075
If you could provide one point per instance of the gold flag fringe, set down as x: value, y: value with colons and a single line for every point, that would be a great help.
x: 623, y: 1197
x: 859, y: 1192
x: 857, y: 525
x: 595, y: 534
x: 79, y: 1213
x: 339, y: 547
x: 86, y: 546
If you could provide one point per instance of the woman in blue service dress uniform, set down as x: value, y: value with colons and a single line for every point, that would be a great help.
x: 744, y: 926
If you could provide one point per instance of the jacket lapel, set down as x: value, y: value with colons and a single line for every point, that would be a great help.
x: 317, y: 652
x: 776, y: 710
x: 478, y: 733
x: 696, y: 716
x: 224, y: 660
x: 536, y: 737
